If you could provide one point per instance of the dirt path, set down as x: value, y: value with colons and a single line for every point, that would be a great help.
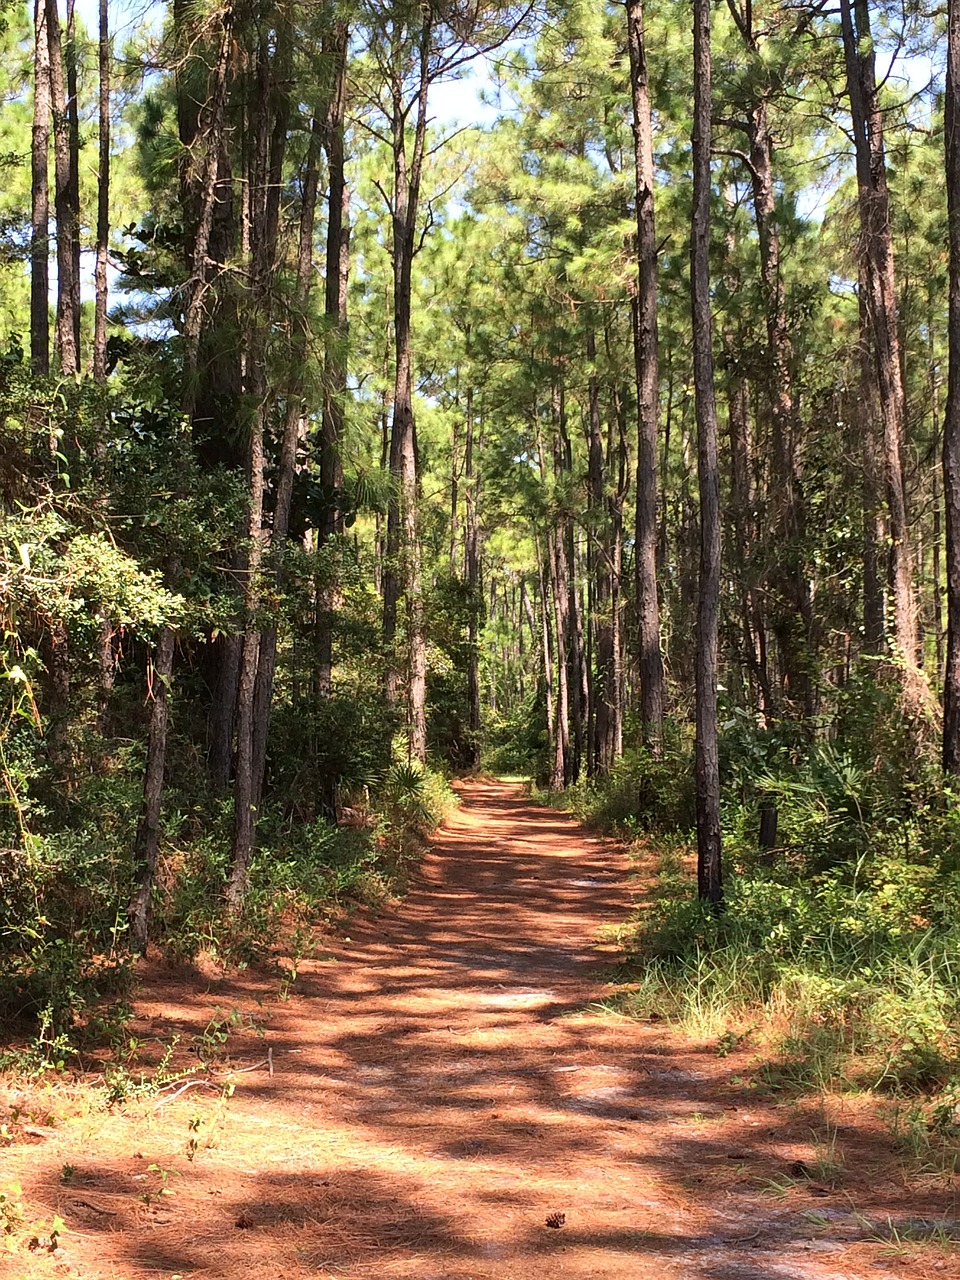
x: 440, y: 1087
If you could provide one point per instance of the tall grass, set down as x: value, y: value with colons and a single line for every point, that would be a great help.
x: 838, y: 952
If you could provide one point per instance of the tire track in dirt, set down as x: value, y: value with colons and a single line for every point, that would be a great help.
x: 442, y: 1085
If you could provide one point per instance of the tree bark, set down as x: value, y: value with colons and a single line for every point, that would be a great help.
x: 146, y: 847
x: 598, y: 574
x: 402, y: 572
x: 874, y: 525
x: 575, y: 704
x: 562, y: 764
x: 547, y: 651
x: 264, y: 170
x: 794, y: 626
x: 223, y: 711
x: 876, y: 249
x: 204, y: 193
x: 709, y: 876
x: 474, y: 594
x: 951, y: 421
x: 741, y: 502
x: 335, y: 355
x: 40, y: 197
x: 103, y: 203
x: 73, y: 131
x: 65, y: 343
x: 646, y: 359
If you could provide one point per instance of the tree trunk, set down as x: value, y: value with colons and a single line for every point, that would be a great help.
x: 472, y: 556
x: 223, y: 712
x: 936, y: 583
x: 246, y: 789
x: 709, y: 878
x: 794, y: 626
x: 951, y: 421
x: 106, y: 663
x: 73, y: 131
x: 56, y: 660
x: 268, y: 131
x: 335, y: 354
x: 402, y: 573
x: 146, y: 847
x: 741, y: 501
x: 876, y: 249
x: 547, y: 651
x: 611, y: 748
x: 874, y: 525
x: 40, y: 197
x: 204, y: 193
x: 287, y: 467
x: 103, y: 203
x: 562, y: 765
x: 598, y: 575
x: 67, y: 290
x: 646, y: 359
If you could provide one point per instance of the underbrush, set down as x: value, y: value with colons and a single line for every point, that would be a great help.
x: 65, y: 966
x: 837, y: 956
x: 515, y: 741
x: 306, y: 871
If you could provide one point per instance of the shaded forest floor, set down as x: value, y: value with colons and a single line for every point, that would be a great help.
x: 438, y: 1084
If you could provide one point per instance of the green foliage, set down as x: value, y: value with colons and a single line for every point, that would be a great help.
x: 515, y: 740
x: 414, y: 799
x: 644, y: 791
x: 841, y: 945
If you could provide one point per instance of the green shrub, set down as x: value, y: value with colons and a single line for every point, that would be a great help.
x: 842, y: 944
x: 643, y: 792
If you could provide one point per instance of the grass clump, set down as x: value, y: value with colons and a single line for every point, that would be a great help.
x: 838, y: 952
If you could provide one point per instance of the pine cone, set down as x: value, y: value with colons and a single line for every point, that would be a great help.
x: 556, y: 1219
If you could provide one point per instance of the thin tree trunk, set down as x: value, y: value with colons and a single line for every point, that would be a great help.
x: 874, y: 525
x: 598, y: 574
x: 65, y: 344
x: 40, y: 197
x: 741, y: 495
x: 474, y: 595
x: 576, y: 704
x: 107, y: 674
x: 73, y: 130
x: 210, y: 127
x: 876, y: 248
x: 709, y: 878
x: 103, y: 203
x: 612, y: 747
x: 223, y: 712
x: 146, y: 846
x: 403, y: 573
x: 157, y: 736
x: 286, y: 471
x: 263, y: 168
x: 795, y: 624
x: 547, y: 650
x: 562, y: 767
x: 453, y: 557
x: 937, y: 532
x: 335, y: 354
x: 646, y: 358
x: 951, y: 420
x: 56, y: 660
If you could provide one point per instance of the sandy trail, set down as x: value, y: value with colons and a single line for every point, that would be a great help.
x: 441, y: 1086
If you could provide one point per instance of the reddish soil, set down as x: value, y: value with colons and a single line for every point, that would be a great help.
x: 443, y: 1084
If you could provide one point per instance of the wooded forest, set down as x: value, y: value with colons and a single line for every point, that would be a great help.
x: 612, y: 441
